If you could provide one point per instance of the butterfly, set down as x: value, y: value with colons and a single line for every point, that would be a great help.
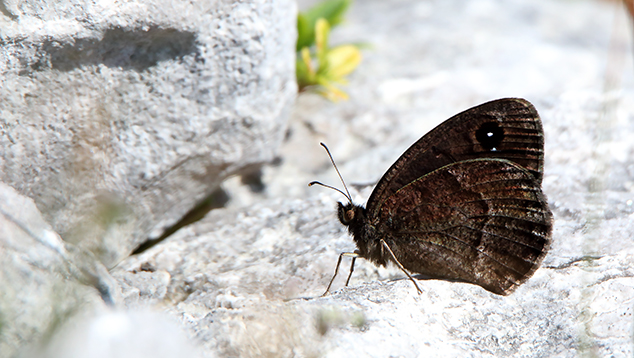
x: 463, y: 203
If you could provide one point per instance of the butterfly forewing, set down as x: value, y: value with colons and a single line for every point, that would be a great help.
x: 481, y: 221
x: 507, y: 128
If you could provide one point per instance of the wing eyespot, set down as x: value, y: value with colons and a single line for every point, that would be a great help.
x: 490, y: 135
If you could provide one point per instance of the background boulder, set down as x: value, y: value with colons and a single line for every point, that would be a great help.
x: 119, y: 118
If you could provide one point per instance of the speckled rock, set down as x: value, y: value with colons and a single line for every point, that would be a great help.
x: 117, y: 118
x: 44, y: 280
x: 246, y: 280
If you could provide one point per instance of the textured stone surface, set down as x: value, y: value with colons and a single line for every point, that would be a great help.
x: 118, y: 117
x: 122, y: 334
x: 44, y: 281
x: 228, y: 277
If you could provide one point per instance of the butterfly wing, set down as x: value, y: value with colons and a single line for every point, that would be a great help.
x: 483, y: 221
x: 507, y: 128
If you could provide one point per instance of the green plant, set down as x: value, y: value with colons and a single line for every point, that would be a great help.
x: 319, y: 67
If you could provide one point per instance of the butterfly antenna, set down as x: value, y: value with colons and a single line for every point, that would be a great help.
x: 348, y: 196
x: 328, y: 186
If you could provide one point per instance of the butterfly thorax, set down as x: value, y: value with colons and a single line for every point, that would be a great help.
x: 364, y: 234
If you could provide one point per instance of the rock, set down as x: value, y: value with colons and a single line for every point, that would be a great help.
x: 246, y: 280
x: 236, y: 279
x: 117, y: 119
x: 44, y: 280
x: 228, y: 285
x: 123, y: 334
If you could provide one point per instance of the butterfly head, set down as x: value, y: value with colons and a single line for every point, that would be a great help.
x: 347, y: 213
x: 350, y: 213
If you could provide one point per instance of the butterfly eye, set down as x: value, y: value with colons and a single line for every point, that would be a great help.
x: 349, y: 215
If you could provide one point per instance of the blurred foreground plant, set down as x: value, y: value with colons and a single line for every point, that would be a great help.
x: 320, y: 67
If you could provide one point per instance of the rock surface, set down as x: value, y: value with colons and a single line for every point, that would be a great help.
x: 122, y: 334
x: 246, y: 280
x: 117, y: 118
x: 231, y: 277
x: 44, y: 281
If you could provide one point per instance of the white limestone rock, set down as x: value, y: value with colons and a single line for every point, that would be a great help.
x: 118, y: 117
x: 122, y: 334
x: 229, y: 276
x: 229, y: 279
x: 44, y: 281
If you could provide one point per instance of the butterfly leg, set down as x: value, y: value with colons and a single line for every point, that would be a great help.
x: 400, y: 266
x: 354, y: 256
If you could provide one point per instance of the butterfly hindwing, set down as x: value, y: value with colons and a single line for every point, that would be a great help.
x: 483, y: 221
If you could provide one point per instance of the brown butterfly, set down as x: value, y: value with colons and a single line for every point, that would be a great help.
x: 463, y: 203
